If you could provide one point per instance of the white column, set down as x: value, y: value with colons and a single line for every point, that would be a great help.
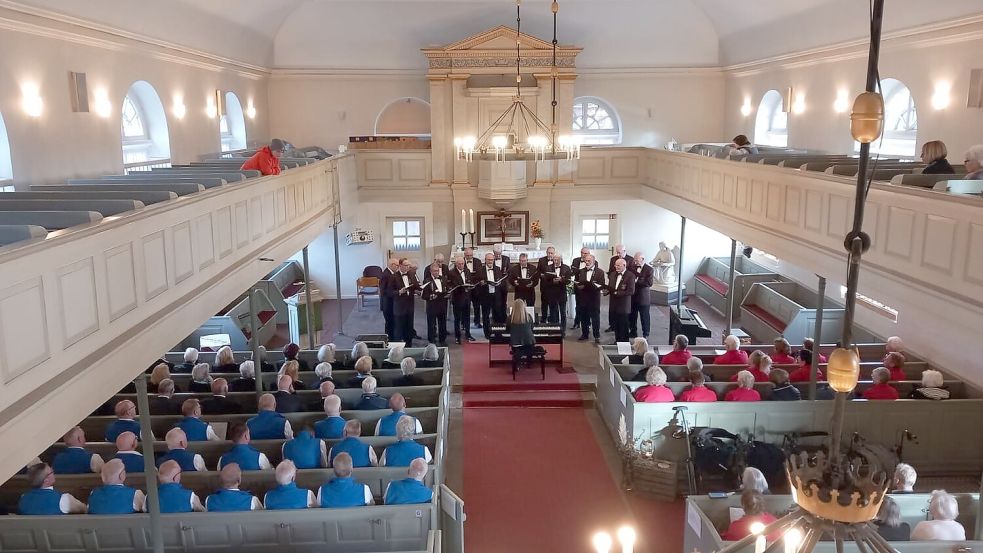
x: 461, y: 125
x: 441, y: 131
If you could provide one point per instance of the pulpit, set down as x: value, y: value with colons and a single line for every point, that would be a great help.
x: 297, y: 317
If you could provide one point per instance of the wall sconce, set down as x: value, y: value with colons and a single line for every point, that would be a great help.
x: 799, y: 105
x: 211, y: 110
x: 941, y: 96
x: 251, y: 110
x: 103, y: 106
x: 31, y: 101
x: 746, y: 108
x: 178, y: 109
x: 842, y: 103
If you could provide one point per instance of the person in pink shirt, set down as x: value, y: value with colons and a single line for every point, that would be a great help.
x: 656, y: 390
x: 894, y: 363
x: 881, y: 389
x: 783, y: 352
x: 759, y: 365
x: 679, y: 354
x: 802, y: 374
x: 698, y: 392
x: 745, y: 389
x: 733, y: 355
x: 753, y: 504
x: 807, y: 343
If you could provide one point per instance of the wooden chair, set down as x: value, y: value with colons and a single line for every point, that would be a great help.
x: 367, y: 286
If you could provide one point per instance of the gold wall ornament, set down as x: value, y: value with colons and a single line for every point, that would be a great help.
x: 867, y: 119
x: 843, y: 369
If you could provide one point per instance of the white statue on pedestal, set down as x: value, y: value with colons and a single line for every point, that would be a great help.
x: 665, y: 265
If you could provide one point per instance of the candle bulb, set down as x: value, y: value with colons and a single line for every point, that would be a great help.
x: 464, y: 225
x: 759, y: 543
x: 471, y: 214
x: 626, y: 535
x: 792, y: 540
x: 602, y: 542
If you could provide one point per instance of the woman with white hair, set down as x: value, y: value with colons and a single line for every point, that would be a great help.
x: 247, y: 378
x: 639, y: 347
x: 395, y: 357
x: 649, y: 360
x: 679, y: 355
x: 225, y: 361
x: 888, y: 522
x: 323, y: 373
x: 974, y: 163
x: 745, y: 389
x: 655, y: 391
x: 201, y: 379
x: 734, y: 355
x: 291, y: 368
x: 326, y: 353
x: 932, y: 387
x: 359, y: 350
x: 190, y: 360
x: 754, y: 479
x: 431, y: 357
x: 943, y: 526
x: 160, y: 373
x: 882, y: 388
x: 408, y: 367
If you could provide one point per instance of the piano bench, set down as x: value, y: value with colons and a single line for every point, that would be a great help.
x: 527, y: 355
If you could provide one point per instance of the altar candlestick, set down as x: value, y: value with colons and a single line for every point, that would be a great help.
x: 464, y: 224
x: 471, y: 212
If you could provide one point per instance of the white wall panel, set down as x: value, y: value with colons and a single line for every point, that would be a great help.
x: 223, y: 220
x: 78, y: 306
x: 182, y: 253
x: 154, y: 265
x: 121, y: 286
x: 204, y: 240
x: 24, y: 332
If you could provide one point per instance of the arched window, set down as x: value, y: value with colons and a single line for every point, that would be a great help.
x: 143, y: 126
x: 900, y: 122
x: 771, y: 123
x: 6, y: 167
x: 404, y: 117
x: 595, y: 121
x: 232, y: 124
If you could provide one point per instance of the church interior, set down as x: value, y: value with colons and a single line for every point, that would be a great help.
x: 421, y: 276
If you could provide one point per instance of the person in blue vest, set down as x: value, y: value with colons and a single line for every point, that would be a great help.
x: 126, y: 451
x: 361, y: 453
x: 230, y: 498
x: 75, y: 459
x: 333, y: 426
x: 242, y: 454
x: 114, y: 497
x: 126, y: 413
x: 306, y: 451
x: 402, y: 453
x: 370, y: 399
x: 387, y: 424
x: 43, y: 499
x: 173, y: 497
x: 177, y: 450
x: 195, y: 429
x: 268, y: 424
x: 342, y: 490
x: 411, y: 489
x: 287, y: 495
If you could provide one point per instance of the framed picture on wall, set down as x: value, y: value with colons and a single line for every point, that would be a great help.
x: 491, y: 225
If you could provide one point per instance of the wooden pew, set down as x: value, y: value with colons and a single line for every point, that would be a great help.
x: 50, y: 220
x: 205, y: 180
x: 722, y: 373
x: 148, y: 197
x: 179, y: 188
x: 105, y: 208
x: 904, y: 387
x: 18, y: 233
x: 384, y: 377
x: 923, y: 181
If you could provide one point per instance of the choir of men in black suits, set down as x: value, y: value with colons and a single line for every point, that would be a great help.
x: 386, y: 301
x: 459, y: 280
x: 492, y: 293
x: 575, y: 266
x: 435, y: 294
x: 471, y: 263
x: 619, y: 253
x: 641, y: 302
x: 544, y: 265
x: 402, y: 287
x: 621, y: 290
x: 553, y: 285
x: 524, y: 280
x: 588, y: 284
x: 442, y: 268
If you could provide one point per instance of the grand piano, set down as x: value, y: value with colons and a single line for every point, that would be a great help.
x: 543, y: 333
x: 688, y: 323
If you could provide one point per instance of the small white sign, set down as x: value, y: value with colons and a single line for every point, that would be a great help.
x: 693, y: 519
x: 395, y: 344
x: 624, y: 348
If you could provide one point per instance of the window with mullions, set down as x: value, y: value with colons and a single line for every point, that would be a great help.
x: 900, y: 122
x: 406, y: 235
x: 596, y: 233
x: 595, y: 121
x: 133, y: 127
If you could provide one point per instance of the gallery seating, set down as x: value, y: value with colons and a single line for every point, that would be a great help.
x: 711, y: 281
x: 17, y: 233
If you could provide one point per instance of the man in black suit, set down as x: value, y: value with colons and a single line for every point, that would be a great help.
x: 490, y: 292
x: 641, y: 302
x: 621, y: 290
x: 435, y: 294
x: 524, y: 280
x: 589, y: 282
x: 286, y: 400
x: 438, y: 260
x: 386, y: 302
x: 575, y: 266
x: 162, y: 403
x: 471, y: 263
x: 619, y: 253
x: 543, y: 266
x: 219, y: 403
x: 402, y: 287
x: 459, y: 280
x: 553, y: 284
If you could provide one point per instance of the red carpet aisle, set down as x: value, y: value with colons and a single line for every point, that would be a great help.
x: 535, y: 478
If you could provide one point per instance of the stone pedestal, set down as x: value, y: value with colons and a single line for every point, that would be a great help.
x: 666, y: 295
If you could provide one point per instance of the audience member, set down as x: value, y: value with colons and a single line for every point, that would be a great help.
x: 698, y: 392
x: 225, y: 361
x: 326, y: 353
x: 177, y: 451
x: 974, y: 163
x: 126, y: 451
x: 881, y: 389
x: 201, y: 379
x: 173, y: 497
x: 804, y: 372
x: 932, y: 387
x: 285, y: 399
x: 342, y: 490
x: 894, y: 363
x: 408, y: 378
x: 194, y: 428
x: 410, y: 490
x: 287, y: 495
x: 160, y: 372
x: 753, y: 504
x: 759, y: 365
x: 649, y: 360
x: 290, y: 353
x: 114, y: 497
x: 74, y: 459
x: 942, y: 526
x: 405, y: 449
x: 247, y: 378
x: 306, y: 451
x: 783, y: 390
x: 363, y: 369
x: 323, y: 373
x: 242, y: 454
x: 430, y: 358
x: 754, y: 480
x: 888, y: 522
x: 325, y: 389
x: 741, y: 146
x: 331, y: 427
x: 292, y: 369
x: 782, y: 354
x: 229, y: 498
x: 219, y: 403
x: 696, y: 364
x: 639, y: 347
x: 43, y: 499
x: 904, y: 478
x: 734, y: 355
x: 395, y: 357
x: 190, y: 360
x: 387, y: 424
x: 893, y: 344
x: 745, y: 389
x: 655, y: 391
x: 266, y: 160
x: 370, y: 399
x: 265, y: 366
x: 360, y: 453
x: 268, y: 424
x: 359, y: 350
x: 126, y: 413
x: 934, y: 154
x: 163, y: 402
x: 679, y: 354
x: 807, y: 344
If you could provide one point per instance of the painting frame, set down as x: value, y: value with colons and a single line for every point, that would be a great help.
x: 490, y: 230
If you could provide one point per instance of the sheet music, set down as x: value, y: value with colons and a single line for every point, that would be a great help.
x: 624, y: 348
x: 394, y: 344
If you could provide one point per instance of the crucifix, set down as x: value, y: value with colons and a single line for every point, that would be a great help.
x: 502, y: 216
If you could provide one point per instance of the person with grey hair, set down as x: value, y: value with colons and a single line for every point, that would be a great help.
x: 734, y: 355
x: 888, y: 522
x: 359, y: 350
x: 430, y: 357
x: 944, y: 509
x: 43, y: 499
x: 247, y: 378
x: 201, y: 379
x: 649, y: 360
x: 754, y: 479
x: 696, y: 364
x: 370, y: 399
x: 655, y: 390
x: 265, y: 366
x: 363, y: 370
x: 361, y: 453
x: 114, y: 497
x: 162, y: 403
x: 679, y: 355
x: 410, y: 490
x: 326, y: 389
x: 904, y: 479
x: 401, y: 453
x: 745, y: 389
x: 974, y: 163
x: 194, y: 428
x: 408, y: 367
x: 882, y: 388
x: 342, y: 490
x: 225, y: 361
x: 932, y: 387
x: 332, y: 427
x: 326, y: 353
x: 460, y: 280
x: 266, y: 160
x: 229, y: 498
x: 287, y: 495
x: 620, y: 254
x: 394, y: 357
x: 323, y: 372
x: 893, y: 344
x: 190, y: 360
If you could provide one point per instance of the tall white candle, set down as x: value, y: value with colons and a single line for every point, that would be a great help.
x: 464, y: 225
x: 626, y: 535
x: 471, y: 213
x: 759, y: 544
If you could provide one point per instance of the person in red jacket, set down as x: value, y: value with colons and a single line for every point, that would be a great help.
x: 881, y: 389
x: 266, y: 160
x: 753, y: 504
x: 679, y: 354
x: 745, y: 389
x: 656, y: 391
x: 698, y: 392
x: 733, y: 355
x: 783, y: 352
x: 759, y: 365
x: 894, y: 362
x: 807, y: 343
x: 801, y: 374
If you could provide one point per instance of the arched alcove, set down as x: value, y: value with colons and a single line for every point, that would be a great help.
x: 143, y: 125
x: 900, y: 121
x: 232, y: 126
x: 6, y: 166
x: 595, y: 121
x: 771, y: 122
x: 404, y: 117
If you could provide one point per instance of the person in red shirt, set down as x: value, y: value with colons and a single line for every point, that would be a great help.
x: 266, y: 160
x: 656, y: 391
x: 807, y: 343
x: 894, y: 344
x: 753, y: 504
x: 881, y: 389
x: 733, y: 355
x: 679, y: 354
x: 698, y: 392
x: 802, y: 374
x: 894, y: 362
x: 745, y: 389
x: 759, y: 365
x: 783, y: 352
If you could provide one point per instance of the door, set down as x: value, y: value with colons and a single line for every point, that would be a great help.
x: 599, y: 233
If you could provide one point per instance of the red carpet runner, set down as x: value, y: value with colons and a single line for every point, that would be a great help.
x: 535, y: 479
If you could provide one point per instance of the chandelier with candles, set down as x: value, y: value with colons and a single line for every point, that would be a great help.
x: 525, y: 136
